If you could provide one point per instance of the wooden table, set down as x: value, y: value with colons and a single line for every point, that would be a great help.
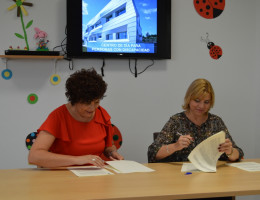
x: 167, y: 182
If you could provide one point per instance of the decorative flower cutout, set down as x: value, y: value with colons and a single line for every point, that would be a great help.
x: 19, y: 4
x: 20, y: 10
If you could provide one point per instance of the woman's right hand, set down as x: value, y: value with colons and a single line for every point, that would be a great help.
x: 90, y: 159
x: 183, y: 142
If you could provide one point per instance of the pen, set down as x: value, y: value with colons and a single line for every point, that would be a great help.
x: 182, y: 135
x: 179, y: 134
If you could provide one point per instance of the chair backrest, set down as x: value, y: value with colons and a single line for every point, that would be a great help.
x: 30, y: 139
x: 155, y: 135
x: 117, y: 138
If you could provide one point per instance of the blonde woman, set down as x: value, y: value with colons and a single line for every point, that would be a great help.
x: 185, y: 130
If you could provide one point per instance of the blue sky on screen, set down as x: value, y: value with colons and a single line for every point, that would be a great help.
x: 147, y: 10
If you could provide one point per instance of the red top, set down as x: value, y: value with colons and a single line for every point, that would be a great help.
x: 78, y: 138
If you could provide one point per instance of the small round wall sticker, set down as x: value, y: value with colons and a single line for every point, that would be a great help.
x: 32, y: 98
x: 209, y: 9
x: 55, y: 79
x: 7, y: 74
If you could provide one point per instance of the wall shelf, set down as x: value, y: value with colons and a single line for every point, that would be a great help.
x: 30, y: 57
x: 5, y: 58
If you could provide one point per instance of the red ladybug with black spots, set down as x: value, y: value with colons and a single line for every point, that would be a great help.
x: 209, y: 9
x: 215, y: 51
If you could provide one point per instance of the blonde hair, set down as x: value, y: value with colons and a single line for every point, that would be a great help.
x: 198, y: 88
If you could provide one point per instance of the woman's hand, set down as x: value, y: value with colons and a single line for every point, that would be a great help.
x: 183, y: 142
x: 90, y: 159
x: 226, y: 147
x: 114, y: 155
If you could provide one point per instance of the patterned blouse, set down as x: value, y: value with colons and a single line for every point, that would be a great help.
x: 179, y: 123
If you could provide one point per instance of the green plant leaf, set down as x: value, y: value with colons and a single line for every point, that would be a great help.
x: 19, y: 35
x: 29, y: 24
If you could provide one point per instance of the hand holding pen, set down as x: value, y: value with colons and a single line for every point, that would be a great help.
x: 184, y: 141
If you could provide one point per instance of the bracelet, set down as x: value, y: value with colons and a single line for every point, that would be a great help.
x: 230, y: 153
x: 167, y: 149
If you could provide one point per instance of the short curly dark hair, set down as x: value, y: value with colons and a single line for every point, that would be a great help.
x: 84, y: 86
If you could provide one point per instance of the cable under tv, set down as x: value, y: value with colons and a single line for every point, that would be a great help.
x: 30, y: 53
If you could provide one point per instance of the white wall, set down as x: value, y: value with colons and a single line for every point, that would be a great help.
x: 139, y: 106
x: 256, y: 83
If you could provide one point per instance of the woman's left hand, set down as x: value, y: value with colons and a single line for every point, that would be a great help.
x: 226, y: 147
x: 114, y: 155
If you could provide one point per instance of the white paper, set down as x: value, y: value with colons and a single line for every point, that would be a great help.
x: 247, y: 166
x: 188, y: 167
x: 127, y: 166
x: 89, y: 171
x: 205, y: 156
x: 112, y: 168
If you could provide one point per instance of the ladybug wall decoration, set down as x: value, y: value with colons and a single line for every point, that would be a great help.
x: 215, y: 51
x: 209, y: 9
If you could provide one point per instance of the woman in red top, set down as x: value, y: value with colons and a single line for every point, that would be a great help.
x: 79, y: 132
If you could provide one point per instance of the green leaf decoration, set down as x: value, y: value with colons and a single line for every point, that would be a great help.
x: 19, y: 35
x: 29, y: 24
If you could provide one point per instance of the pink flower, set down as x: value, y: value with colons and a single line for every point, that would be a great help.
x: 39, y: 33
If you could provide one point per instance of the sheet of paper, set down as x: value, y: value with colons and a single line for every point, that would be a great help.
x: 112, y: 168
x: 188, y: 167
x: 247, y: 166
x: 205, y: 156
x: 89, y: 171
x: 127, y: 166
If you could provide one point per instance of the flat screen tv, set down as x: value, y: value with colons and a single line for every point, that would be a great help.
x: 119, y: 29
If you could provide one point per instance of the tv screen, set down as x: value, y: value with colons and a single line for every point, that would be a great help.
x: 119, y: 28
